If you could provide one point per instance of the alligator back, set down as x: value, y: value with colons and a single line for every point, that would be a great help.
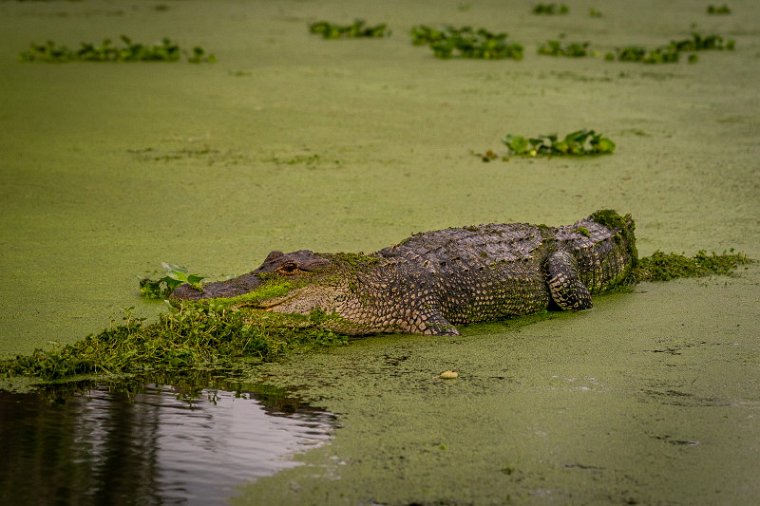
x: 481, y: 273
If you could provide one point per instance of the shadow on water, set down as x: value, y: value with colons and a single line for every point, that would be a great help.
x: 147, y: 443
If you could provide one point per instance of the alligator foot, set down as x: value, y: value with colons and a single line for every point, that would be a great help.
x: 566, y: 287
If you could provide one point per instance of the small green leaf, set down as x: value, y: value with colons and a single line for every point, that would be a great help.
x: 604, y: 145
x: 517, y: 144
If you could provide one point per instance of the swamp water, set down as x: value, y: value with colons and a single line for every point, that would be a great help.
x: 102, y: 444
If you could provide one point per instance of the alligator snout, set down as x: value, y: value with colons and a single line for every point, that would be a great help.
x: 230, y: 288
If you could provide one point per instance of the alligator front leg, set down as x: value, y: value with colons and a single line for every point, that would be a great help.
x: 566, y: 288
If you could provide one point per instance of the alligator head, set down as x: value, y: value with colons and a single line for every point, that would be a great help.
x: 298, y: 283
x: 286, y: 265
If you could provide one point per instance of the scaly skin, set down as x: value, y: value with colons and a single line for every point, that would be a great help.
x: 433, y: 281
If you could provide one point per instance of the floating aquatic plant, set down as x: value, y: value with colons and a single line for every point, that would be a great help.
x: 162, y: 287
x: 357, y: 29
x: 718, y: 9
x: 550, y: 9
x: 671, y: 52
x: 570, y: 49
x: 664, y: 54
x: 198, y: 55
x: 466, y: 42
x: 107, y: 51
x: 699, y: 42
x: 578, y: 143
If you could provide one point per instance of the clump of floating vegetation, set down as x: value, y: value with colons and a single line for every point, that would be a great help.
x: 578, y: 143
x: 162, y: 287
x: 569, y: 49
x: 107, y: 51
x: 718, y: 9
x: 699, y: 42
x: 671, y: 53
x: 664, y: 54
x: 666, y: 266
x: 550, y: 9
x: 466, y: 42
x: 357, y: 29
x: 193, y: 336
x: 594, y: 13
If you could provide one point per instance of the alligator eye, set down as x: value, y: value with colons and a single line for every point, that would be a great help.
x: 288, y: 268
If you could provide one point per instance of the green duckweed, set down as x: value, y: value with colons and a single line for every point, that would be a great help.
x: 666, y: 266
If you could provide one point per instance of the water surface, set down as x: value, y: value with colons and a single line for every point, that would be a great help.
x: 156, y: 445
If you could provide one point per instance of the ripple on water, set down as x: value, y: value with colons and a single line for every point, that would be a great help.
x: 157, y: 446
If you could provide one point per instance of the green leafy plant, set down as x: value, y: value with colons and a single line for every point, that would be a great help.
x: 718, y: 9
x: 671, y: 52
x: 423, y: 35
x: 550, y: 9
x: 664, y: 54
x: 107, y: 51
x: 699, y: 42
x: 357, y: 29
x: 570, y: 49
x: 578, y: 143
x: 163, y: 287
x: 594, y: 13
x: 466, y: 42
x: 198, y: 55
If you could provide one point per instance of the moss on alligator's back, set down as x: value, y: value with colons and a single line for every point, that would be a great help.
x: 227, y: 334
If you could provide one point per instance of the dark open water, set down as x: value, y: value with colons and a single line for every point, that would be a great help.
x: 158, y: 445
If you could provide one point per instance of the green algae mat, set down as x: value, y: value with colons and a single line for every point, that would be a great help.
x: 288, y: 141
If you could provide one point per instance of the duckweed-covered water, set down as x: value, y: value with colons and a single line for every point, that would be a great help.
x: 290, y: 141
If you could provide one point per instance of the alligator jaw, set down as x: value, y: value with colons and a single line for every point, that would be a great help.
x: 305, y: 299
x: 274, y: 303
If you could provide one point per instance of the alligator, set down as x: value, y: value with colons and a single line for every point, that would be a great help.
x: 433, y: 281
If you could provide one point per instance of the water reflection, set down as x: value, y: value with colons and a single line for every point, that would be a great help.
x: 154, y: 445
